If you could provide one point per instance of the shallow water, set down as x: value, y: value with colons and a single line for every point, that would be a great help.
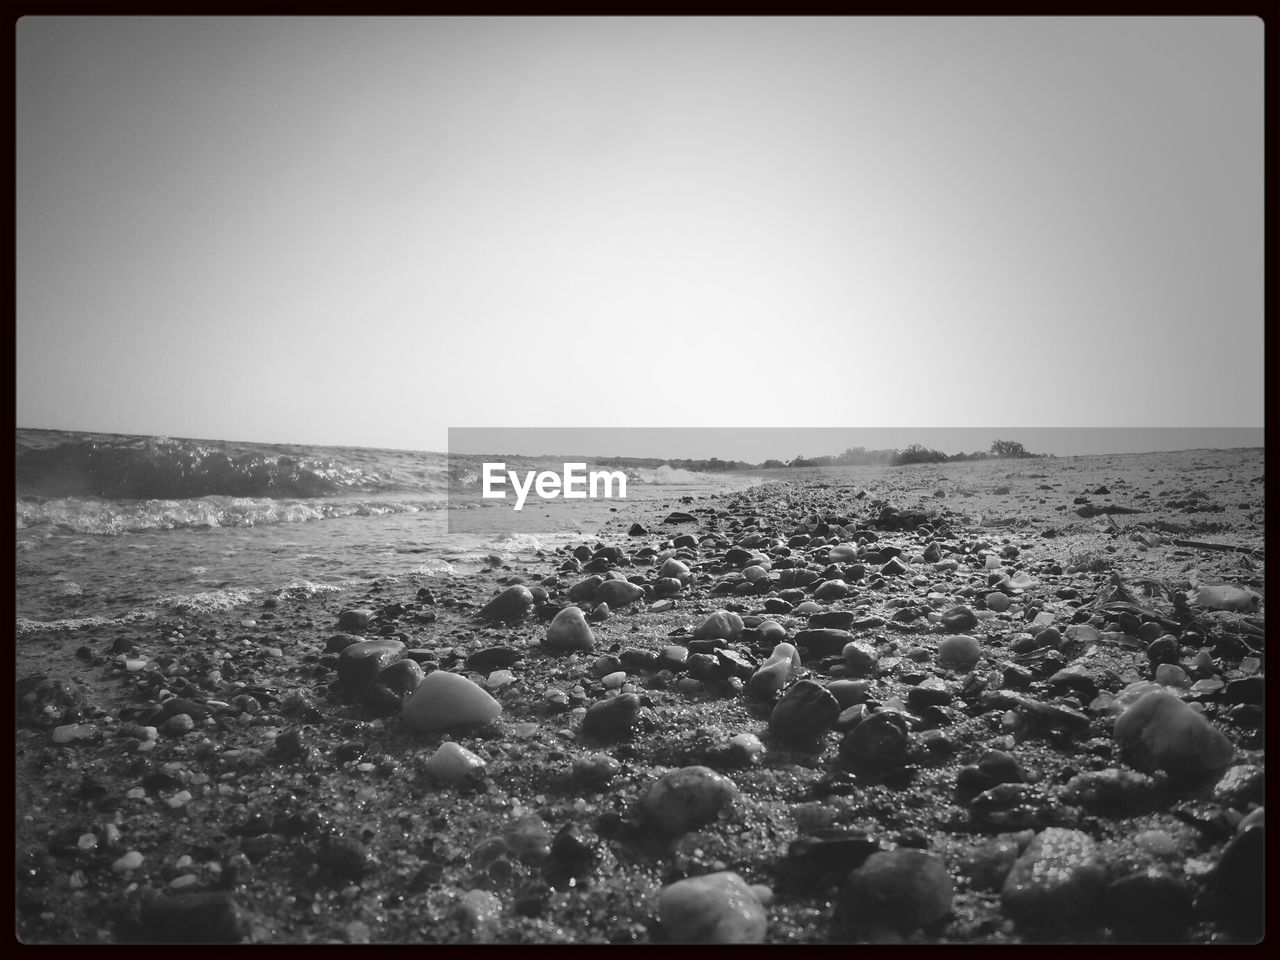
x: 86, y: 556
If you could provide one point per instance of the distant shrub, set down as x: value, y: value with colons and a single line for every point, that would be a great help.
x: 918, y: 453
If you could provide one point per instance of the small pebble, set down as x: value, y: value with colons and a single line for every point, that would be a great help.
x: 713, y: 908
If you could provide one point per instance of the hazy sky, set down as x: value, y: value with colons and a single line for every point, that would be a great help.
x: 366, y: 231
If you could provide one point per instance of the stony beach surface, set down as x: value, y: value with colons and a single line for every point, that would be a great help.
x: 1011, y: 701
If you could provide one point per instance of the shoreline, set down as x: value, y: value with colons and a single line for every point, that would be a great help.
x: 414, y: 849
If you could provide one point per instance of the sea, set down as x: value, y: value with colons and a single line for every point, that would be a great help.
x: 116, y: 528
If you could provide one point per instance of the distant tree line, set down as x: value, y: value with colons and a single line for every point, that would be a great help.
x: 852, y: 457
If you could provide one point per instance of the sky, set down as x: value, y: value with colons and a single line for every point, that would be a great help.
x: 366, y: 231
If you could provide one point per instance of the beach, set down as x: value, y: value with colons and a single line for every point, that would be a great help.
x: 899, y: 691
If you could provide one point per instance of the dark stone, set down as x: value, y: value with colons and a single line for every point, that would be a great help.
x: 834, y: 619
x: 877, y: 745
x: 492, y: 658
x: 360, y: 662
x: 386, y: 692
x: 612, y: 718
x: 959, y: 619
x: 824, y: 642
x: 805, y: 712
x: 355, y: 620
x: 194, y: 918
x: 510, y: 605
x: 1238, y: 884
x: 342, y: 858
x: 826, y: 857
x: 635, y: 660
x: 1244, y: 690
x: 1150, y: 907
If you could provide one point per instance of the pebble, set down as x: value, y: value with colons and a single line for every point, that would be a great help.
x: 130, y: 861
x: 774, y: 673
x: 959, y: 653
x: 1057, y: 882
x: 997, y: 601
x: 445, y: 700
x: 746, y: 748
x: 1238, y: 883
x: 806, y: 711
x: 722, y: 624
x: 194, y: 918
x: 509, y: 606
x: 453, y: 763
x: 384, y: 696
x: 685, y: 799
x: 529, y: 839
x: 360, y: 662
x: 478, y: 911
x: 849, y: 692
x: 569, y: 631
x: 596, y: 770
x: 612, y: 718
x: 1161, y: 732
x: 355, y: 620
x: 958, y: 619
x: 1150, y: 906
x: 988, y: 865
x: 499, y: 679
x: 904, y: 889
x: 180, y: 724
x: 877, y: 745
x: 1013, y: 806
x: 713, y: 908
x: 73, y: 731
x: 618, y: 593
x: 1240, y: 786
x: 860, y: 657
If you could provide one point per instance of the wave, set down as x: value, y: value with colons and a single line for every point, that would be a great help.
x: 114, y: 517
x: 669, y: 474
x: 120, y: 467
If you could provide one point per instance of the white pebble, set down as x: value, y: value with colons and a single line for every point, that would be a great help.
x: 452, y: 763
x: 130, y: 861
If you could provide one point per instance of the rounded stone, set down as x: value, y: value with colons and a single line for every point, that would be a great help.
x: 720, y: 625
x: 618, y: 593
x: 805, y: 712
x: 959, y: 619
x: 959, y: 653
x: 1161, y: 732
x: 510, y: 605
x: 860, y: 657
x: 360, y: 662
x: 685, y: 799
x: 612, y: 718
x: 1057, y: 882
x: 445, y: 700
x: 714, y: 908
x: 997, y: 601
x: 385, y: 694
x: 774, y: 673
x: 904, y: 889
x: 453, y: 763
x: 876, y: 745
x: 568, y: 631
x: 1150, y: 906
